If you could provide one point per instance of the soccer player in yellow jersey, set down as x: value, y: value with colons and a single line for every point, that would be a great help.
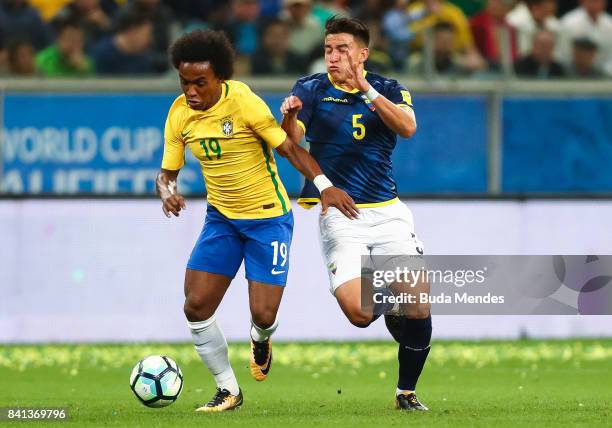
x: 232, y: 132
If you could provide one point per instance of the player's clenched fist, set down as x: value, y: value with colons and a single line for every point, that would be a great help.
x: 334, y: 197
x: 172, y: 202
x: 291, y: 105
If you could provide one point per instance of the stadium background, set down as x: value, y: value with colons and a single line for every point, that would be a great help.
x: 499, y: 165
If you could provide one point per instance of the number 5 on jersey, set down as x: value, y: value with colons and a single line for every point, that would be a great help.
x: 280, y: 249
x: 359, y: 128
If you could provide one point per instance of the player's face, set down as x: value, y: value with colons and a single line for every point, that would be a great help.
x: 201, y: 86
x: 337, y: 49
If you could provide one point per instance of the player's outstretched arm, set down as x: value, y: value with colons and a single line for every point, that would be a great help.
x: 399, y: 119
x: 165, y: 185
x: 330, y: 196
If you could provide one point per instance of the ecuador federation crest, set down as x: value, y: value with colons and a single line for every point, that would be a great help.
x: 227, y: 126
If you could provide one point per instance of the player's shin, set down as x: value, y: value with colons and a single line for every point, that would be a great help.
x: 413, y: 350
x: 211, y: 345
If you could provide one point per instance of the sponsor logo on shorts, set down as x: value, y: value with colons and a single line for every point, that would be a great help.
x: 332, y: 267
x: 277, y: 272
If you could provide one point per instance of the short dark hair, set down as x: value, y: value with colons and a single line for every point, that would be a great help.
x: 270, y: 22
x: 337, y: 25
x: 62, y: 23
x: 585, y: 44
x: 202, y: 46
x: 130, y: 17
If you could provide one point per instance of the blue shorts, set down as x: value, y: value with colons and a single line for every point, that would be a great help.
x: 263, y: 244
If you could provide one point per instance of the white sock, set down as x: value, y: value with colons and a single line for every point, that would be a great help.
x: 259, y: 334
x: 402, y: 391
x: 211, y: 345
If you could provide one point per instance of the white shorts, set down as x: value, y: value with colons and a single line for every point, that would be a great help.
x: 379, y: 231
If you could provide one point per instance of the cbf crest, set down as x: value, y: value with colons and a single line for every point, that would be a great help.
x: 227, y: 126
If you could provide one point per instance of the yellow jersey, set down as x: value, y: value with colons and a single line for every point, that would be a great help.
x: 233, y: 140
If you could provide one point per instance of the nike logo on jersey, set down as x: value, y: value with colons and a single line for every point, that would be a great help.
x: 184, y: 134
x: 277, y: 272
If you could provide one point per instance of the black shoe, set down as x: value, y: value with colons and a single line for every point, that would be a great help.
x: 222, y: 402
x: 396, y: 325
x: 409, y: 401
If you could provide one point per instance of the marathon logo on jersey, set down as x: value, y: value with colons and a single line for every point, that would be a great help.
x: 227, y: 126
x: 336, y: 100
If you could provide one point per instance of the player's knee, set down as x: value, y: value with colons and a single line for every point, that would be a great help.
x: 196, y: 309
x: 359, y: 319
x: 191, y: 312
x: 418, y: 311
x: 264, y: 318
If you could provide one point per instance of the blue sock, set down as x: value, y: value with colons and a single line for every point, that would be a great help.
x: 413, y: 350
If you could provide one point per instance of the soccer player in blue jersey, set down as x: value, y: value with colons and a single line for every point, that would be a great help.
x: 351, y: 119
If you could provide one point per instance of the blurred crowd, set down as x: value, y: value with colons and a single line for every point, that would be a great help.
x: 537, y: 39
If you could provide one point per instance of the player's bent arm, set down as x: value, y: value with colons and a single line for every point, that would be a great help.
x: 308, y: 166
x: 290, y: 109
x: 401, y: 119
x: 299, y: 158
x: 398, y: 118
x: 165, y: 185
x: 291, y: 127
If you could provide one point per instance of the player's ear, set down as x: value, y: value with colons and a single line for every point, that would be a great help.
x: 364, y: 55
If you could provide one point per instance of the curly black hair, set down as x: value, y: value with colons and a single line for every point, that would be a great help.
x: 202, y: 46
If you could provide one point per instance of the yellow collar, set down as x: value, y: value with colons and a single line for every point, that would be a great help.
x: 353, y: 91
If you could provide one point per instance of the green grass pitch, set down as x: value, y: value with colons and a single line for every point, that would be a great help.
x: 523, y: 383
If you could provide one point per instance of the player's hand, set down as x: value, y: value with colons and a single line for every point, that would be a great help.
x: 172, y: 202
x: 291, y: 105
x: 355, y: 76
x: 334, y: 197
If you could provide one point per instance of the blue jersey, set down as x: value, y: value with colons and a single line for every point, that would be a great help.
x: 348, y: 138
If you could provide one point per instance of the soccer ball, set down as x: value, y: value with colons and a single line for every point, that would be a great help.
x: 157, y: 381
